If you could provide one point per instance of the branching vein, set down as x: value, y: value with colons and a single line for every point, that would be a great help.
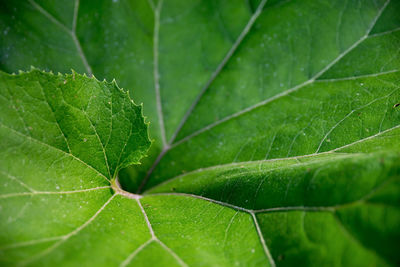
x: 225, y: 60
x: 71, y: 32
x: 53, y: 147
x: 52, y: 192
x: 260, y: 235
x: 67, y: 236
x: 155, y: 238
x: 289, y: 91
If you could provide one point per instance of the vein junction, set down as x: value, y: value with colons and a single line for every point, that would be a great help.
x: 313, y: 79
x: 59, y: 240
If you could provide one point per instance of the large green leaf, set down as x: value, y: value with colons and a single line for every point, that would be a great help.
x: 276, y: 132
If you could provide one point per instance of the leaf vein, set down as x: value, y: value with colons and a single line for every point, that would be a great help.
x: 53, y: 147
x: 289, y: 91
x: 67, y: 236
x: 224, y: 61
x: 52, y: 192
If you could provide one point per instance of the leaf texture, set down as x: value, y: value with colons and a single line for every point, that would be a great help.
x: 276, y: 132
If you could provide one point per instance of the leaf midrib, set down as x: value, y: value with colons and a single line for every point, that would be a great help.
x: 237, y: 164
x: 54, y: 148
x: 333, y: 208
x: 282, y: 94
x: 71, y: 32
x: 220, y: 67
x: 262, y: 103
x: 294, y: 88
x: 170, y: 145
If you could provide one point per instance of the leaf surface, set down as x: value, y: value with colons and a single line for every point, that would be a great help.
x: 275, y: 126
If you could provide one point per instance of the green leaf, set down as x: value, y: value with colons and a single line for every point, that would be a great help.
x: 276, y: 130
x: 64, y: 138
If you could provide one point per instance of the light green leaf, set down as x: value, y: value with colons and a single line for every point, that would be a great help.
x: 276, y: 128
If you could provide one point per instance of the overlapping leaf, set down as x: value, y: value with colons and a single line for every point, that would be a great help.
x: 276, y: 128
